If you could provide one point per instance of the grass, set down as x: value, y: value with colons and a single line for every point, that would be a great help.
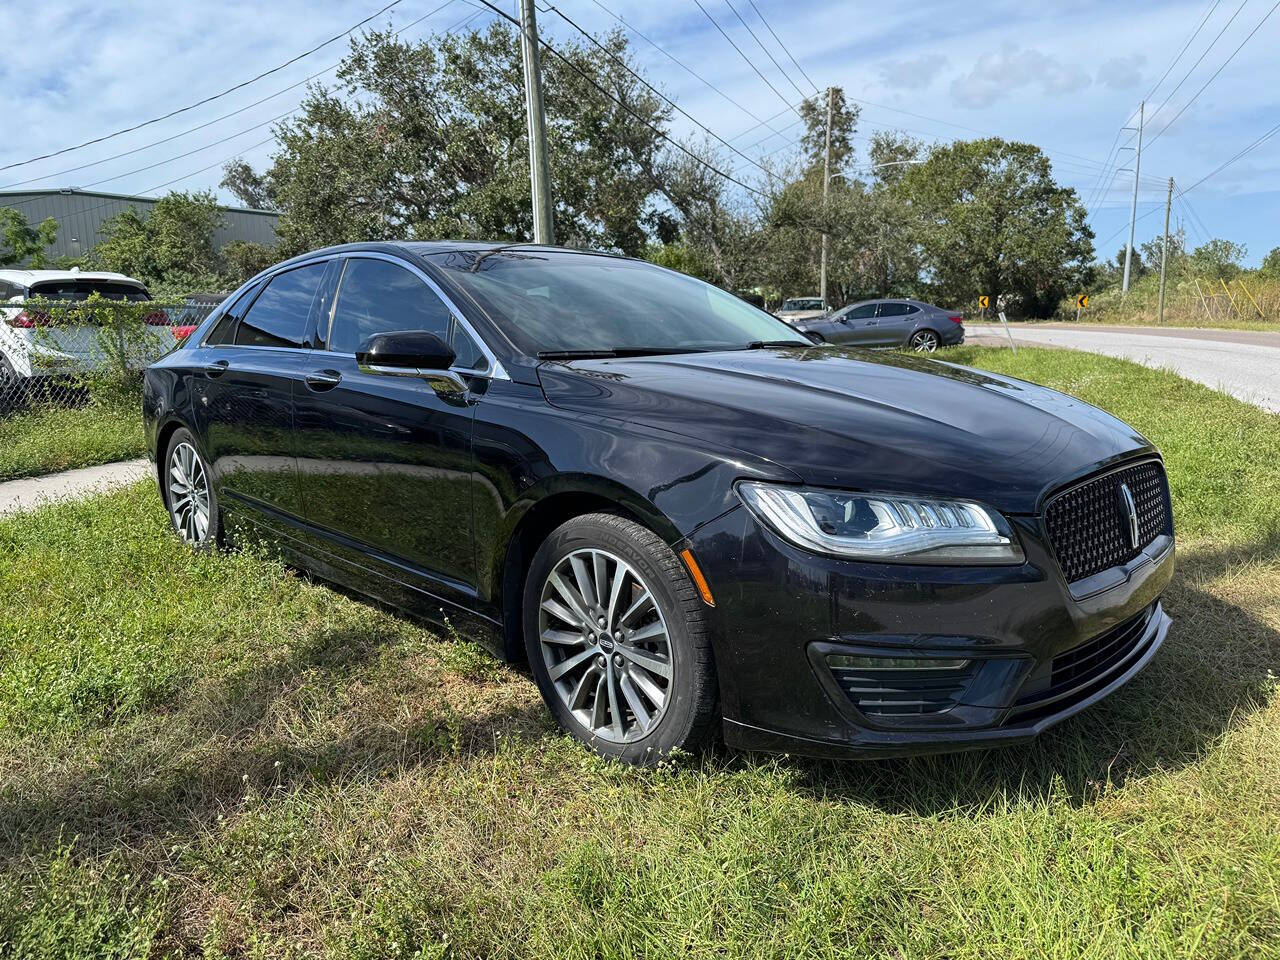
x: 48, y: 439
x: 1208, y: 306
x: 210, y: 755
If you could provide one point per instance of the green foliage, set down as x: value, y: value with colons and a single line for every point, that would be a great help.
x: 1217, y: 259
x: 680, y: 255
x: 48, y: 439
x: 245, y: 259
x: 844, y: 121
x: 427, y: 139
x: 171, y: 249
x: 22, y: 244
x: 1271, y: 264
x: 992, y: 220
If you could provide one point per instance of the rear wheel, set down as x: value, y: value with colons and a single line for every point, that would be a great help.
x: 924, y: 341
x: 188, y: 493
x: 617, y: 641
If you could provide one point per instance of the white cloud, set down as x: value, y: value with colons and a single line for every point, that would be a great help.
x: 1121, y: 73
x: 911, y: 73
x: 999, y: 74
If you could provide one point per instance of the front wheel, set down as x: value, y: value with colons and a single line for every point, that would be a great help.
x: 617, y: 641
x: 924, y: 341
x: 188, y: 493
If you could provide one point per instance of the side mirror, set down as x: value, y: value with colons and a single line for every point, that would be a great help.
x: 411, y: 353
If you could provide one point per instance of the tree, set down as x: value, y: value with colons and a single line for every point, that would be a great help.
x: 994, y: 221
x: 250, y: 188
x: 892, y: 154
x: 245, y: 259
x: 844, y: 121
x: 1217, y: 260
x: 172, y: 248
x: 20, y: 243
x: 1271, y: 264
x: 428, y: 139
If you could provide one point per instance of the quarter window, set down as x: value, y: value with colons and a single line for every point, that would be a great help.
x: 278, y: 318
x: 224, y: 329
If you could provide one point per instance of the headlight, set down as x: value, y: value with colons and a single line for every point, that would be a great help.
x: 869, y: 526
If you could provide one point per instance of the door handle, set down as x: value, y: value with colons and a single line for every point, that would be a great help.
x: 216, y: 369
x: 323, y: 380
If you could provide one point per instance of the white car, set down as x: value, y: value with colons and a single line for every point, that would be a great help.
x: 801, y: 308
x: 32, y: 346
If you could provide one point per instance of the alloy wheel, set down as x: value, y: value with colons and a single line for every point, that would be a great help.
x: 926, y: 341
x: 605, y: 645
x: 188, y: 494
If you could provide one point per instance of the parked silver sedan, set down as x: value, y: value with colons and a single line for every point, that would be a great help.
x: 888, y: 323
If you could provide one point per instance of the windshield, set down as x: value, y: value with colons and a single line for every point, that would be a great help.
x: 553, y: 302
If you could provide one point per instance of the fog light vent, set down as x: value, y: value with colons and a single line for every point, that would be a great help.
x: 899, y: 687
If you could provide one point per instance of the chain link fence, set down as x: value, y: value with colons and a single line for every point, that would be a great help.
x: 67, y: 353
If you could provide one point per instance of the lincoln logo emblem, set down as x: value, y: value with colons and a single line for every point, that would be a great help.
x: 1129, y: 510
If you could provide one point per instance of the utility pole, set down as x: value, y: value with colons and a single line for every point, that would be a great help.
x: 826, y: 189
x: 1164, y: 251
x: 539, y: 181
x: 1133, y: 207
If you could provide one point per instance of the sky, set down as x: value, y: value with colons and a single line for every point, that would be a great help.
x: 1066, y: 76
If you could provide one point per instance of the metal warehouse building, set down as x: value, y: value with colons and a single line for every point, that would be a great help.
x: 80, y: 214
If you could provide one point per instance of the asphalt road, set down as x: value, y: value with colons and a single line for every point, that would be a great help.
x: 1245, y: 364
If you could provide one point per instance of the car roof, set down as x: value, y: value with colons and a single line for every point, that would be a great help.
x: 427, y: 248
x: 28, y: 277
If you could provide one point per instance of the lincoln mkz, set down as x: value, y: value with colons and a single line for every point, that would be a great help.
x: 689, y: 519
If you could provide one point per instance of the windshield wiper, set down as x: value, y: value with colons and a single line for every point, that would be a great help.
x: 766, y: 344
x: 612, y: 352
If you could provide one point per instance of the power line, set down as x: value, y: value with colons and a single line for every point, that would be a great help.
x: 200, y: 103
x: 225, y: 116
x: 1195, y: 33
x: 675, y: 143
x: 767, y: 53
x: 782, y: 45
x: 1226, y: 163
x: 1216, y: 72
x: 745, y: 58
x: 689, y: 70
x: 1186, y: 75
x: 684, y: 113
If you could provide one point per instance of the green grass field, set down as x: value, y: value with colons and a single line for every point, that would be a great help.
x: 210, y: 755
x: 50, y: 439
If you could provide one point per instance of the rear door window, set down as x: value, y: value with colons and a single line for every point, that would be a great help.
x: 278, y: 318
x: 893, y: 309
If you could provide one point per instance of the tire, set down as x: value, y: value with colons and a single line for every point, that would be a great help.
x: 924, y: 341
x: 648, y: 715
x: 13, y: 389
x: 188, y: 489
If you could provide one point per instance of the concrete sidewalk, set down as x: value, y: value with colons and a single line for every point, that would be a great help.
x: 19, y: 495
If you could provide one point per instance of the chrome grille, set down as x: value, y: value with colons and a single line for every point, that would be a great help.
x: 1088, y: 525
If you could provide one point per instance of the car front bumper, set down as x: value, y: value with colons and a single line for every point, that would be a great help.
x: 1033, y: 654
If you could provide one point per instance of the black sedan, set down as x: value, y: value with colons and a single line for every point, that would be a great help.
x: 913, y: 324
x: 687, y: 518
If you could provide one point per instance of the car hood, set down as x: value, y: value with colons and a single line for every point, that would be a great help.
x: 859, y: 420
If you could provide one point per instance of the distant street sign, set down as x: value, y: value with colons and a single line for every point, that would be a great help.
x: 1082, y: 301
x: 983, y: 302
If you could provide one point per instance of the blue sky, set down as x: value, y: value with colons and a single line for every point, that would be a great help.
x: 1063, y: 75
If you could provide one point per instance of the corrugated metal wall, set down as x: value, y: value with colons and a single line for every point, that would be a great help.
x: 80, y: 215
